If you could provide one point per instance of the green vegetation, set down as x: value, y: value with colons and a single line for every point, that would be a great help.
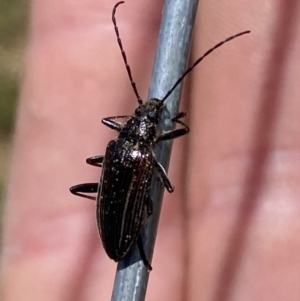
x: 13, y: 34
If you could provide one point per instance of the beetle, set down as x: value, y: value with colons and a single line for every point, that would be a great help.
x: 123, y: 192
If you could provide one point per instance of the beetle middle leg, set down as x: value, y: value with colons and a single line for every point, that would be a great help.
x: 84, y: 189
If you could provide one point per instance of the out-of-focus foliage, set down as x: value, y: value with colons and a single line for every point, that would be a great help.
x: 13, y: 36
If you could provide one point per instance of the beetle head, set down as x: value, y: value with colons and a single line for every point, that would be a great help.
x: 150, y: 109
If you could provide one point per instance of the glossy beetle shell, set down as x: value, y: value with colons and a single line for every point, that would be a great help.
x: 123, y: 202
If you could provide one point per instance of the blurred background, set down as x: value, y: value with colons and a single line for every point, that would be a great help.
x: 13, y: 39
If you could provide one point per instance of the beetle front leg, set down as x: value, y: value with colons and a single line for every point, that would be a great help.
x: 95, y: 161
x: 82, y: 189
x: 177, y: 132
x: 111, y: 123
x: 163, y: 177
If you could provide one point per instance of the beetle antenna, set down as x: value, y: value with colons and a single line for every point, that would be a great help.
x: 123, y: 53
x: 187, y: 71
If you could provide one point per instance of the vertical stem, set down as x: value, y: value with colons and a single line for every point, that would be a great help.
x: 170, y: 62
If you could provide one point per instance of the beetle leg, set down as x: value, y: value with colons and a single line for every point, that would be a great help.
x: 179, y: 116
x: 177, y: 132
x: 111, y: 123
x: 142, y: 253
x: 82, y: 189
x: 163, y: 177
x: 95, y: 161
x: 149, y: 207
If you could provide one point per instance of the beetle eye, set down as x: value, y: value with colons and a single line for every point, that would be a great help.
x: 138, y: 111
x: 151, y: 114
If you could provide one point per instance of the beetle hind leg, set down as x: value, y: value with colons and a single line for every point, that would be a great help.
x: 95, y: 160
x: 163, y: 177
x: 84, y: 189
x: 143, y: 254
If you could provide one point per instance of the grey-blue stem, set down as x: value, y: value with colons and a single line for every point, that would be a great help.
x: 170, y: 62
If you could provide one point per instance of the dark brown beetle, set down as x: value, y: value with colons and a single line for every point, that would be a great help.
x: 123, y: 200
